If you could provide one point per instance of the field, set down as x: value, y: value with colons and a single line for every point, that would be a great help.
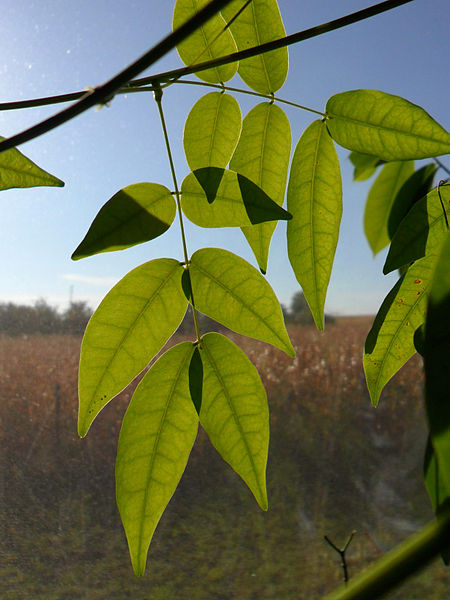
x: 336, y: 464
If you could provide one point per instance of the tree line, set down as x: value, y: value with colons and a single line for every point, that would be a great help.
x: 17, y: 319
x: 41, y: 317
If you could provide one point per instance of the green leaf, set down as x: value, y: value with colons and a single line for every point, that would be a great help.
x: 260, y: 22
x: 314, y: 198
x: 390, y: 342
x: 262, y: 155
x: 196, y: 379
x: 437, y: 363
x: 365, y: 165
x: 208, y: 42
x: 212, y: 131
x: 234, y: 411
x: 231, y: 291
x: 380, y: 200
x: 133, y: 322
x: 213, y: 197
x: 157, y: 434
x: 18, y: 171
x: 422, y: 230
x: 383, y: 125
x: 413, y: 189
x: 137, y: 214
x: 436, y: 488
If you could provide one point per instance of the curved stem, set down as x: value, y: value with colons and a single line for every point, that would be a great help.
x: 105, y: 92
x: 158, y: 97
x: 228, y: 88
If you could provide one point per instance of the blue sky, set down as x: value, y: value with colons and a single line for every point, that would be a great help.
x: 61, y: 46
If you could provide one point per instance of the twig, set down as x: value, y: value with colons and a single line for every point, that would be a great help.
x: 341, y: 552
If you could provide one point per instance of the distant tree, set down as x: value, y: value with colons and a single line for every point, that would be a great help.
x: 75, y: 318
x: 299, y: 310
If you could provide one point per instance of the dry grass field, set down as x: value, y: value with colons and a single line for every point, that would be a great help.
x: 336, y: 464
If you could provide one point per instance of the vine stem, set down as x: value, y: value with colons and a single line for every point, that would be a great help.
x: 158, y: 98
x: 249, y: 92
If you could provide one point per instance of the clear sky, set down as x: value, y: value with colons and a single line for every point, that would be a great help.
x: 60, y: 46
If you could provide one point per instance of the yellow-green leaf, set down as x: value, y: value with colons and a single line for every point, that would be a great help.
x: 231, y: 291
x: 262, y: 155
x: 390, y: 342
x: 314, y: 199
x: 208, y: 42
x: 365, y: 165
x: 383, y: 125
x: 157, y: 434
x: 380, y: 200
x: 212, y: 131
x: 213, y: 197
x: 234, y: 411
x: 132, y: 323
x: 259, y: 22
x: 18, y: 171
x: 137, y: 214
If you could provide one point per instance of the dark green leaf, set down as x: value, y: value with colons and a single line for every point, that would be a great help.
x: 196, y: 379
x: 234, y: 411
x: 133, y: 322
x: 212, y: 131
x: 422, y: 231
x: 137, y: 214
x: 231, y: 291
x: 383, y: 125
x: 413, y: 189
x: 260, y: 22
x: 157, y: 434
x: 208, y: 42
x: 380, y: 200
x: 18, y: 171
x: 365, y: 165
x: 315, y: 200
x: 213, y: 197
x: 263, y: 155
x: 437, y: 363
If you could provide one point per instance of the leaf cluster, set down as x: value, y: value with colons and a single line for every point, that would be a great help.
x: 240, y: 174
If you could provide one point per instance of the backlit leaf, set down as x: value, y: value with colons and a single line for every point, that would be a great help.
x: 157, y: 434
x: 422, y: 230
x: 213, y: 197
x: 231, y: 291
x: 314, y: 198
x: 390, y: 342
x: 380, y: 200
x: 132, y: 323
x: 383, y: 125
x: 137, y: 214
x: 413, y: 189
x: 437, y: 363
x: 211, y: 131
x: 365, y: 165
x: 234, y: 411
x: 208, y: 42
x: 262, y: 155
x: 18, y: 171
x: 259, y: 22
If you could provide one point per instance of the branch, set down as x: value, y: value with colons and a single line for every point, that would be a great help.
x: 399, y: 563
x: 105, y: 92
x: 177, y: 73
